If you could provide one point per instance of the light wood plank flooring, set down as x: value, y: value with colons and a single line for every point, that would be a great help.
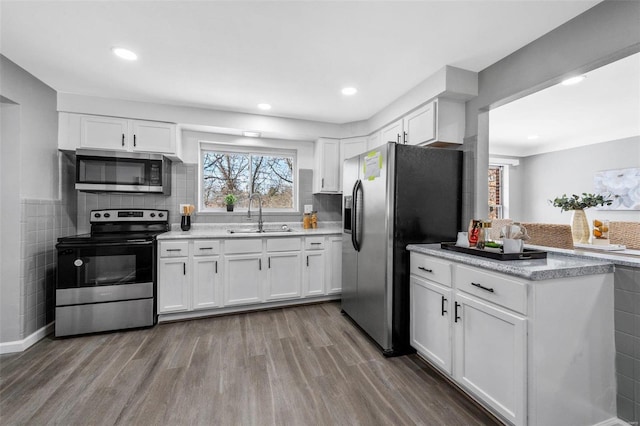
x: 294, y: 366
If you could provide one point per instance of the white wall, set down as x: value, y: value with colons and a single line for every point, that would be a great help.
x: 547, y: 176
x: 37, y: 169
x: 191, y: 142
x: 10, y: 327
x: 601, y: 35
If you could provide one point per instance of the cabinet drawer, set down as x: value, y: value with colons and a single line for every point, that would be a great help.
x: 431, y: 269
x: 283, y: 244
x: 314, y: 243
x: 174, y: 248
x: 206, y: 247
x: 494, y: 288
x: 243, y: 246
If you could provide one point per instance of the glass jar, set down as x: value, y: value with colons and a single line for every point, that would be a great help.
x: 306, y: 221
x: 600, y: 232
x: 483, y: 234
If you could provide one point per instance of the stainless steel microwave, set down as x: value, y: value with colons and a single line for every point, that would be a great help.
x: 113, y: 171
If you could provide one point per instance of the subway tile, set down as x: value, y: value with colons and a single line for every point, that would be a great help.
x: 625, y: 386
x: 625, y: 322
x: 626, y: 409
x: 626, y: 343
x: 626, y: 279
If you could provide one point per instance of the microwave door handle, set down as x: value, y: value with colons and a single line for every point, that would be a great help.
x: 354, y: 215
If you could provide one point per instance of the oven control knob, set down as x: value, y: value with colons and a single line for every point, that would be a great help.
x: 160, y: 214
x: 153, y: 214
x: 96, y: 215
x: 78, y: 262
x: 107, y: 215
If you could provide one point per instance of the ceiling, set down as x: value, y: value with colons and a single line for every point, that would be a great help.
x: 603, y: 107
x: 294, y: 55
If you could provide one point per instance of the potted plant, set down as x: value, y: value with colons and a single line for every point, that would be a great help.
x: 230, y: 200
x: 577, y: 204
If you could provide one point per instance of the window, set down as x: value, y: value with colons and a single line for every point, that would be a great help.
x: 232, y: 170
x: 495, y: 192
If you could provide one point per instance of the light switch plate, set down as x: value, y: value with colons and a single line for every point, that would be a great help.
x: 308, y: 208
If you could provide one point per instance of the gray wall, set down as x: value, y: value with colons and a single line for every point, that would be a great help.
x: 184, y: 190
x: 36, y: 203
x: 542, y: 177
x: 627, y: 320
x: 603, y: 34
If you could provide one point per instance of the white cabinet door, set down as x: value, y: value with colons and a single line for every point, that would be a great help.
x: 420, y: 125
x: 334, y: 265
x: 490, y: 355
x: 206, y: 282
x: 153, y: 136
x: 351, y: 147
x: 284, y: 277
x: 430, y: 323
x: 173, y: 286
x: 104, y: 132
x: 392, y: 133
x: 314, y: 273
x: 327, y: 166
x: 374, y: 140
x: 242, y: 279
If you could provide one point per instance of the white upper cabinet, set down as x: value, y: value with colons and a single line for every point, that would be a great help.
x: 374, y: 140
x: 326, y: 176
x: 120, y: 134
x: 351, y: 147
x: 420, y: 126
x: 392, y: 133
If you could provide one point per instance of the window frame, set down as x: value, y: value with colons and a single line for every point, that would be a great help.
x: 229, y: 148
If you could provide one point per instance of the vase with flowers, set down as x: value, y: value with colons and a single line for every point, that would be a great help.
x: 577, y: 204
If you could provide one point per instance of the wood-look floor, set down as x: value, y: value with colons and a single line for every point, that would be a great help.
x: 294, y: 366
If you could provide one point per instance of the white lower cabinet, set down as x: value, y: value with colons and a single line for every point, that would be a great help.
x: 431, y: 304
x: 284, y: 277
x: 242, y: 279
x: 334, y: 265
x: 532, y: 352
x: 490, y: 355
x: 204, y: 275
x: 173, y: 288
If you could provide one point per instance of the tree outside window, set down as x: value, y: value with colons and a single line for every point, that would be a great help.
x: 241, y: 173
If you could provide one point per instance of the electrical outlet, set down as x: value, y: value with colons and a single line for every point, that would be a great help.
x: 308, y: 208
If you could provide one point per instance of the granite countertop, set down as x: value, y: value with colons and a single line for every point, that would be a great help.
x: 221, y: 230
x: 616, y: 257
x: 556, y: 265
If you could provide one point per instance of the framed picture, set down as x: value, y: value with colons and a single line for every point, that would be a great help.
x: 622, y: 184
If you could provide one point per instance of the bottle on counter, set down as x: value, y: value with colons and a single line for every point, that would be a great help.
x: 483, y: 234
x: 474, y: 231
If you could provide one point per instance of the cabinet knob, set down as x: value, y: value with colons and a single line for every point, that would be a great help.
x: 123, y: 139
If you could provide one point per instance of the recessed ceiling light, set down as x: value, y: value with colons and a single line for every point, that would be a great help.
x: 251, y: 134
x: 573, y: 80
x: 532, y: 137
x: 348, y: 91
x: 264, y: 107
x: 123, y: 53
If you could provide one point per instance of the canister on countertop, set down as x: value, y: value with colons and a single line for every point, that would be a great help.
x: 314, y: 220
x: 306, y: 221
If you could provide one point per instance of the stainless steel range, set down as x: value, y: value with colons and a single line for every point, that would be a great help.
x: 106, y: 280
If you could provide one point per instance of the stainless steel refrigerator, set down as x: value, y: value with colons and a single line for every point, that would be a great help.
x: 394, y: 195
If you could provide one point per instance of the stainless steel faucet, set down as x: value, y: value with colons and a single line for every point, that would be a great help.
x: 260, y: 222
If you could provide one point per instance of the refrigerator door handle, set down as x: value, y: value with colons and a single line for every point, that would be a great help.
x: 354, y: 215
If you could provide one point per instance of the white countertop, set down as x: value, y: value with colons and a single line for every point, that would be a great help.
x: 221, y: 230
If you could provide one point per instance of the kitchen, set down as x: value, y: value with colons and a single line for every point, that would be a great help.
x: 60, y: 214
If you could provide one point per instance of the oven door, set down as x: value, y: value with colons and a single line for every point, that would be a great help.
x: 101, y: 272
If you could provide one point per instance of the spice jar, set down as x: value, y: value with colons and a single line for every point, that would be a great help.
x: 474, y: 231
x: 306, y: 221
x: 483, y: 234
x: 314, y: 220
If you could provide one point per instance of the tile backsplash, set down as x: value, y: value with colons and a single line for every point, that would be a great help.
x: 184, y: 190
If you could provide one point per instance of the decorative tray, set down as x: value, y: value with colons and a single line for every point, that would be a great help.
x: 527, y: 254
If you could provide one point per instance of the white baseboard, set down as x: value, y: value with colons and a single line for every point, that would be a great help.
x: 27, y: 342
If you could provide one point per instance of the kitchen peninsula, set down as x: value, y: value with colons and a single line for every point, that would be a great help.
x: 217, y: 269
x: 531, y: 340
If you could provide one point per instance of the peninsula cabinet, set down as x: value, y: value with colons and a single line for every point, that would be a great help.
x: 532, y: 352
